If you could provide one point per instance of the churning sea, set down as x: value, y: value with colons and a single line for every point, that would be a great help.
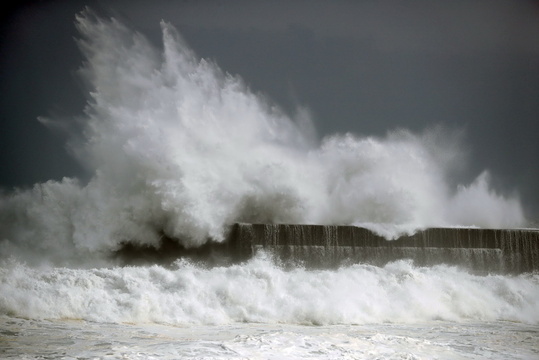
x: 258, y: 310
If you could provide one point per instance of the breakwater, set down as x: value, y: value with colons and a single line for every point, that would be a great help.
x: 489, y: 250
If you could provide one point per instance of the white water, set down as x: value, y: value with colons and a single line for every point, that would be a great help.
x: 73, y: 339
x: 259, y: 291
x: 258, y: 310
x: 176, y: 145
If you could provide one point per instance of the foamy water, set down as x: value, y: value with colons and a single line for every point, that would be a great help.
x: 259, y: 310
x: 74, y: 339
x: 259, y: 291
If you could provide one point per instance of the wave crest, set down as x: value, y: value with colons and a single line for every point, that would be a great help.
x: 180, y: 148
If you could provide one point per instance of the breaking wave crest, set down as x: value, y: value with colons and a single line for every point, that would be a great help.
x: 259, y: 291
x: 178, y: 147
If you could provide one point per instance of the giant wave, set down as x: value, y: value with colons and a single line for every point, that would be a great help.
x: 178, y: 148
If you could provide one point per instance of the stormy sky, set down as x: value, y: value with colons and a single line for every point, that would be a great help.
x: 364, y: 67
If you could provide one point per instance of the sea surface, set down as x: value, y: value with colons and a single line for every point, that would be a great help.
x: 260, y: 310
x: 79, y: 339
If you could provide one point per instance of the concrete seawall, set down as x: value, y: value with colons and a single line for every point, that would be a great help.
x: 484, y: 250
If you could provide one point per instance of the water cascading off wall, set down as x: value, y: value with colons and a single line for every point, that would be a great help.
x: 330, y: 246
x: 483, y: 250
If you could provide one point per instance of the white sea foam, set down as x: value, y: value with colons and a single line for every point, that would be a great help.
x: 176, y: 146
x: 259, y: 291
x: 61, y: 339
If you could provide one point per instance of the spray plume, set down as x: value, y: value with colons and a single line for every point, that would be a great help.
x: 180, y: 148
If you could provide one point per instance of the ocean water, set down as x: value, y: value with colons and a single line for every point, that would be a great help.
x: 258, y: 310
x: 176, y: 147
x: 75, y: 339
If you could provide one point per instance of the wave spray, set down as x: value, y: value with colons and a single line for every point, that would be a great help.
x: 178, y: 147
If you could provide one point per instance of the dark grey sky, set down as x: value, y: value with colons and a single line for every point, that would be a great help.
x: 360, y: 66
